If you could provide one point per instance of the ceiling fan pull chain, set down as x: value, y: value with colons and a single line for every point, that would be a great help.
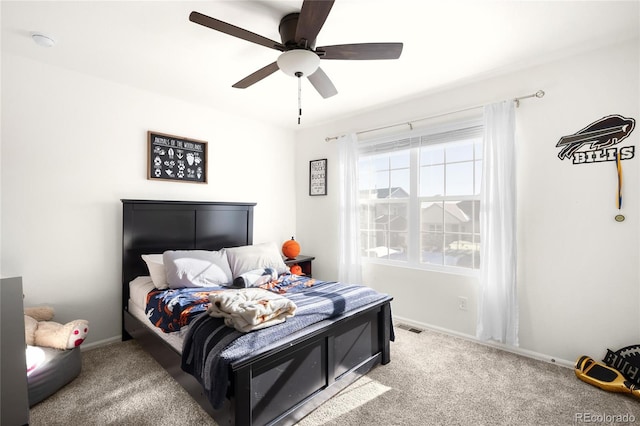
x: 299, y: 75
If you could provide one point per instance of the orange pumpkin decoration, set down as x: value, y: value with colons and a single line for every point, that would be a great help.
x: 296, y: 269
x: 291, y: 248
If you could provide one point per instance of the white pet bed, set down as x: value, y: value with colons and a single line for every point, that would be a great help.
x: 50, y: 369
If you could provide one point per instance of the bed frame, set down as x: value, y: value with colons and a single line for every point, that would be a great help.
x: 281, y: 383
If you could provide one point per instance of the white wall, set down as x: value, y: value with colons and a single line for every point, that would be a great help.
x: 578, y: 277
x: 74, y: 145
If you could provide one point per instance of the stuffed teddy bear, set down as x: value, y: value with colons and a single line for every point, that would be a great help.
x: 39, y: 330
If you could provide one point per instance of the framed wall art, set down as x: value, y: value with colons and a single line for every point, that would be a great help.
x: 318, y: 177
x: 176, y: 158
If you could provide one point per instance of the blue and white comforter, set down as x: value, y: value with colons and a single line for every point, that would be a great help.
x: 210, y: 346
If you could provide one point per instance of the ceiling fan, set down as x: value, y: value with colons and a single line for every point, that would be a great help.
x: 300, y: 57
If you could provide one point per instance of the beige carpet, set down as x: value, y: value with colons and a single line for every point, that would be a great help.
x: 433, y: 379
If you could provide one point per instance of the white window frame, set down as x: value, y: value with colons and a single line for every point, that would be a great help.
x: 415, y: 200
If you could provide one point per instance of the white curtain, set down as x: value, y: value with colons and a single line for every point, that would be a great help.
x: 498, y: 302
x: 349, y: 265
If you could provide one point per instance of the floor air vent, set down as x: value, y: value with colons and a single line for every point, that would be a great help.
x: 409, y: 328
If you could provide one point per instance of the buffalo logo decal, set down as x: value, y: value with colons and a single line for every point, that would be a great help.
x: 594, y: 143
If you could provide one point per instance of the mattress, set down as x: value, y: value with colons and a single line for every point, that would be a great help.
x: 138, y: 289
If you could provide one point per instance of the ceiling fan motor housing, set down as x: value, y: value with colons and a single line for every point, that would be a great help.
x: 287, y: 30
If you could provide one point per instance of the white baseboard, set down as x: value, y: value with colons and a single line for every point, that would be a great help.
x: 519, y: 351
x: 100, y: 343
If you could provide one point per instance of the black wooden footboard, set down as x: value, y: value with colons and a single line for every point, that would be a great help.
x: 286, y: 383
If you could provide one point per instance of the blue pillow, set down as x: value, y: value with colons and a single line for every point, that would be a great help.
x: 255, y: 278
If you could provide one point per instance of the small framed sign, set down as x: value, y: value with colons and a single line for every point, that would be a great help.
x: 318, y: 177
x: 176, y: 158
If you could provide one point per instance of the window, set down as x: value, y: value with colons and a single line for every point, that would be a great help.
x: 420, y: 198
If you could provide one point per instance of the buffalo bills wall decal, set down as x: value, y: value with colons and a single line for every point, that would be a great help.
x: 596, y: 142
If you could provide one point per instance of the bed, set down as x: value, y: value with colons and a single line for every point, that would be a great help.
x: 281, y: 382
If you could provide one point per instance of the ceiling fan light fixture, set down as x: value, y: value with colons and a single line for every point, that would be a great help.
x: 297, y: 61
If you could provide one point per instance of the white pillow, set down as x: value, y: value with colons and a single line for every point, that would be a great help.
x: 258, y: 256
x: 196, y: 268
x: 156, y: 270
x: 138, y: 290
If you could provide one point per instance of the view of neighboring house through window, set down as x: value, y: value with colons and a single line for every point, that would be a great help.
x: 420, y: 197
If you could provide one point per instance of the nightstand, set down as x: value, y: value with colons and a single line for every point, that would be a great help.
x: 303, y: 261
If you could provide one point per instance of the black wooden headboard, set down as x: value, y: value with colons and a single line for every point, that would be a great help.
x: 150, y: 227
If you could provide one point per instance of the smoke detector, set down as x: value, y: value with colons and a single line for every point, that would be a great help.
x: 43, y: 40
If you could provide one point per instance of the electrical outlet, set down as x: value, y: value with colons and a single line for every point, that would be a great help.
x: 462, y: 303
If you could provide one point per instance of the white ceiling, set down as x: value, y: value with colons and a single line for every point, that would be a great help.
x: 152, y: 45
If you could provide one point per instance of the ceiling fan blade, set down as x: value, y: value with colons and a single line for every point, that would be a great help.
x: 313, y: 14
x: 234, y: 31
x: 257, y: 76
x: 323, y: 84
x: 362, y: 51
